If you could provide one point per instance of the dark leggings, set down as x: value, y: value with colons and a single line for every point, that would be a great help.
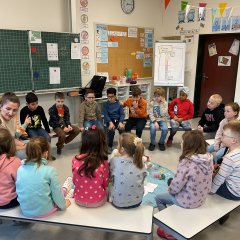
x: 12, y: 204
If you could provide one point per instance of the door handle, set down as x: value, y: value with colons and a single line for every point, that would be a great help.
x: 204, y: 76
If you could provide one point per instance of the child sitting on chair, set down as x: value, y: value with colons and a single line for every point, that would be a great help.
x: 211, y: 117
x: 90, y: 113
x: 113, y: 116
x: 158, y: 113
x: 180, y: 111
x: 60, y: 122
x: 137, y: 111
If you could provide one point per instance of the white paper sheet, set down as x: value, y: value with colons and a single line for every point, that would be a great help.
x: 52, y: 51
x: 54, y: 75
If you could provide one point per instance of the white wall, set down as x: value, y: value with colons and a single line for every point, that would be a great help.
x: 170, y: 22
x: 147, y: 13
x: 53, y: 15
x: 43, y: 15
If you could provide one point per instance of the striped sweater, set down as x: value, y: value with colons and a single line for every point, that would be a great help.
x: 229, y: 172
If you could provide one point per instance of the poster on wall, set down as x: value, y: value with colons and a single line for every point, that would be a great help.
x: 235, y: 47
x: 212, y: 49
x: 224, y: 60
x: 226, y: 23
x: 216, y: 24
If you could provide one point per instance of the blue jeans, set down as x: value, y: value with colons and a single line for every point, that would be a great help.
x: 225, y: 193
x: 218, y: 154
x: 90, y: 123
x: 35, y: 132
x: 164, y: 128
x: 111, y: 132
x: 162, y: 199
x: 186, y: 125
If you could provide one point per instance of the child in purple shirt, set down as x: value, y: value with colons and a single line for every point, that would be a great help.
x: 192, y: 182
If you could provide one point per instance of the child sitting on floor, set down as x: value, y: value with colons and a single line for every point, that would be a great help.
x: 9, y: 165
x: 90, y: 169
x: 192, y: 182
x: 39, y: 191
x: 128, y: 172
x: 231, y: 112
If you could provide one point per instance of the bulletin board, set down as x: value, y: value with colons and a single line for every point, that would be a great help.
x: 22, y: 69
x: 70, y: 73
x: 15, y: 74
x: 120, y: 47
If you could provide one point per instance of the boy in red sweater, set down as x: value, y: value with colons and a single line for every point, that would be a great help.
x: 137, y: 112
x: 180, y: 111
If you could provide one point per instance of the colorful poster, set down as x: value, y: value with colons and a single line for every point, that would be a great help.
x: 236, y: 23
x: 181, y: 16
x: 226, y: 23
x: 216, y: 24
x: 224, y: 60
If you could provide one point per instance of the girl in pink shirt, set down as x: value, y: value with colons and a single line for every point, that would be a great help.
x: 90, y: 169
x: 9, y: 165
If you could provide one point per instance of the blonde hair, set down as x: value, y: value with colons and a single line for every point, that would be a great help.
x: 217, y: 98
x: 35, y: 149
x: 234, y: 127
x: 159, y: 92
x: 132, y: 147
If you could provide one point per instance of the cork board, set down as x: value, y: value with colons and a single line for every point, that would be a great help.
x: 125, y: 48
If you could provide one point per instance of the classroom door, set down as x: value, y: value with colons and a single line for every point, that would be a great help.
x: 217, y: 76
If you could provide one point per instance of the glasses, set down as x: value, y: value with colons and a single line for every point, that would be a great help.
x: 91, y: 97
x: 224, y: 135
x: 111, y: 97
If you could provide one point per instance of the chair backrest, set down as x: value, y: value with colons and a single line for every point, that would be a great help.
x: 97, y: 85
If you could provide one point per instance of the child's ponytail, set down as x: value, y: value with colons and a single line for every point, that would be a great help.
x: 35, y: 149
x: 137, y: 159
x: 133, y: 147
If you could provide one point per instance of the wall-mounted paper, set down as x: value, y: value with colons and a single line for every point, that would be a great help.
x: 35, y: 37
x: 75, y: 51
x: 54, y: 75
x: 52, y: 51
x: 235, y: 47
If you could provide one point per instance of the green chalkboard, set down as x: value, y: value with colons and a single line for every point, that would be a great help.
x: 70, y: 73
x: 24, y: 66
x: 15, y: 73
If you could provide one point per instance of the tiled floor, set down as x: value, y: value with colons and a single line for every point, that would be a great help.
x: 168, y: 159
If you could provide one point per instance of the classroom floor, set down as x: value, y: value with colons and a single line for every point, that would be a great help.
x: 168, y: 159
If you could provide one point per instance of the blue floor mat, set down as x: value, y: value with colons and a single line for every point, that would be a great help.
x: 149, y: 199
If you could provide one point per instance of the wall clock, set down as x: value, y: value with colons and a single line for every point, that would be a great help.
x: 127, y: 6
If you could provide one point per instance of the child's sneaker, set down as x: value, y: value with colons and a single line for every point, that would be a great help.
x: 161, y: 233
x: 68, y: 184
x: 59, y: 151
x: 161, y: 147
x: 151, y: 147
x: 169, y: 142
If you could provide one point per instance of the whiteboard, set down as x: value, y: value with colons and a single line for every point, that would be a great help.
x: 169, y: 63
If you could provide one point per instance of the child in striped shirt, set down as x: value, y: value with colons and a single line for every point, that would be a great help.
x: 226, y: 183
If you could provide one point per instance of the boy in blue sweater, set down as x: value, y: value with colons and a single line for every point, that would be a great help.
x: 113, y: 116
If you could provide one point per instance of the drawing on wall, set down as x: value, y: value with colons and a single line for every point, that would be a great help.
x: 169, y: 64
x: 212, y: 49
x: 235, y: 47
x: 181, y: 16
x: 224, y: 60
